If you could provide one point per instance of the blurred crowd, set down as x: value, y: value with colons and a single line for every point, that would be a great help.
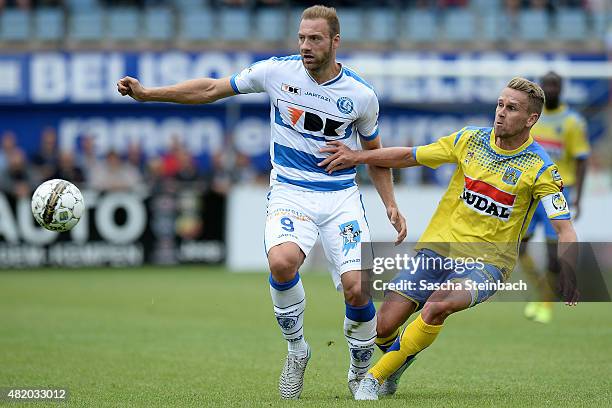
x: 21, y: 173
x: 510, y: 5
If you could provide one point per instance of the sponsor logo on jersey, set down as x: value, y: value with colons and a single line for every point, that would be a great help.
x: 291, y: 89
x: 316, y: 95
x: 512, y: 175
x: 345, y: 105
x: 487, y: 200
x: 314, y: 122
x: 351, y: 235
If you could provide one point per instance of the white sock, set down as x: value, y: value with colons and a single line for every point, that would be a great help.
x: 289, y: 300
x: 360, y: 333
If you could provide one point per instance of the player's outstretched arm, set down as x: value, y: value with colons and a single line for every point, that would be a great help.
x: 568, y: 258
x: 383, y: 181
x: 342, y: 157
x: 193, y: 91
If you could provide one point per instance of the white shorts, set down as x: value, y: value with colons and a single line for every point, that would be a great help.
x: 297, y: 215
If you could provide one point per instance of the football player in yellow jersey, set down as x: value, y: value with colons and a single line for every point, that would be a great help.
x: 501, y: 175
x: 562, y: 133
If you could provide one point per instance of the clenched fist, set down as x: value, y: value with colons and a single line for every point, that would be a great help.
x: 130, y: 86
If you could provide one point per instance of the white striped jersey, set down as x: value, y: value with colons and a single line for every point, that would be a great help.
x: 304, y: 115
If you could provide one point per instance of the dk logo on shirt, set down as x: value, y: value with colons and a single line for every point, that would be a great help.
x: 311, y: 121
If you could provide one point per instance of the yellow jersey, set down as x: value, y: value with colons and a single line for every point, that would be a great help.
x: 562, y: 133
x: 491, y: 197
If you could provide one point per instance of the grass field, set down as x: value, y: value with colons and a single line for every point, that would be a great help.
x: 200, y: 337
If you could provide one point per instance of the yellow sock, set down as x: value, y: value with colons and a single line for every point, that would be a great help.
x: 417, y: 336
x: 384, y: 343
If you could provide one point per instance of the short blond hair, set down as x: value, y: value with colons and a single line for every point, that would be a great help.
x: 533, y: 91
x: 326, y: 13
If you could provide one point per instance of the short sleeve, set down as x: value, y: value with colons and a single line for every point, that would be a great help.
x: 251, y: 79
x: 578, y: 142
x: 367, y: 123
x: 548, y: 181
x: 438, y: 153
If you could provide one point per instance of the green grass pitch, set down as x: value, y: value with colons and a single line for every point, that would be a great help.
x: 195, y: 336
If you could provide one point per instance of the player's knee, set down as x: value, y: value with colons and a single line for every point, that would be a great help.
x: 435, y: 312
x: 283, y: 268
x: 354, y: 296
x: 385, y: 327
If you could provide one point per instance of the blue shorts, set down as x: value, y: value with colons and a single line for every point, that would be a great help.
x: 540, y: 217
x: 431, y: 272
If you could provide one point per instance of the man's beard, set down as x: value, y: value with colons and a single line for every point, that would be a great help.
x: 324, y: 61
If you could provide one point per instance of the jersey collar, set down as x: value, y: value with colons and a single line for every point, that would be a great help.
x: 331, y: 81
x: 505, y: 152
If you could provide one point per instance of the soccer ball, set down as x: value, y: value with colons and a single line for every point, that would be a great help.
x: 57, y: 205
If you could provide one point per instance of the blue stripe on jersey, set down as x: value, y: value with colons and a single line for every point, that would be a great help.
x: 539, y: 150
x: 287, y: 58
x: 278, y: 119
x: 371, y: 137
x: 288, y: 157
x: 353, y: 75
x: 233, y: 83
x: 318, y: 185
x: 562, y: 217
x: 460, y: 133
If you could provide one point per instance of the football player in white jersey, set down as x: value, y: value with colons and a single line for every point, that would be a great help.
x: 313, y: 100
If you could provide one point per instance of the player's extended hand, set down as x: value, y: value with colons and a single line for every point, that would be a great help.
x: 131, y: 87
x: 342, y: 157
x: 568, y: 287
x: 399, y: 223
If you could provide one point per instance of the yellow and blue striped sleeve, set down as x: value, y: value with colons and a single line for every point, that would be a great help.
x: 437, y: 153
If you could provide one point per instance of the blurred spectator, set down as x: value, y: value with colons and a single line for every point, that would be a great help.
x: 87, y: 159
x: 67, y: 168
x: 187, y: 170
x: 45, y: 160
x: 114, y: 175
x: 135, y: 157
x: 171, y: 159
x: 8, y: 147
x: 16, y: 178
x: 244, y: 171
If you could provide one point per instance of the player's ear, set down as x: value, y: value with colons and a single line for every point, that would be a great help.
x: 336, y: 41
x: 532, y: 119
